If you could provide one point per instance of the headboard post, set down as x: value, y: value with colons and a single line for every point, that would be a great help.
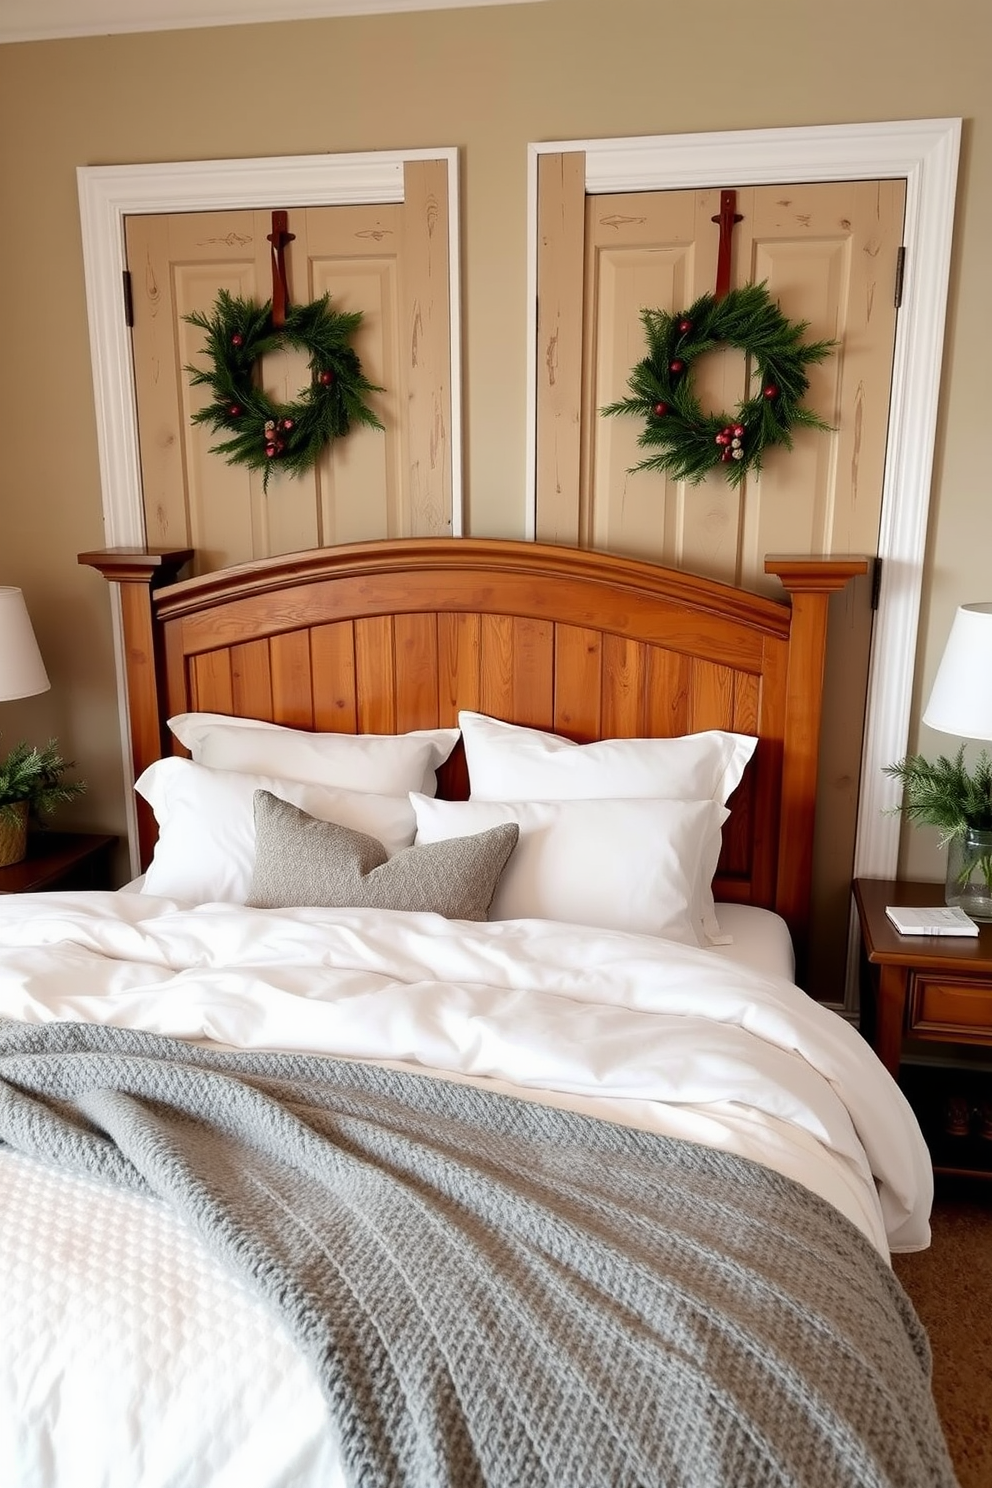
x: 136, y: 572
x: 810, y: 583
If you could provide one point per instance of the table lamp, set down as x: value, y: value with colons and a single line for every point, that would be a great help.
x: 961, y: 696
x: 22, y: 674
x: 22, y: 671
x: 961, y: 703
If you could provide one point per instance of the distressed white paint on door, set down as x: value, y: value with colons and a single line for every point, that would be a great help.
x: 388, y: 261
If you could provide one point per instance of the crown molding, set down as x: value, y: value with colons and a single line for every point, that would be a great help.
x: 49, y: 20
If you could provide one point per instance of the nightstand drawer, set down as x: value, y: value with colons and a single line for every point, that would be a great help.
x: 954, y: 1008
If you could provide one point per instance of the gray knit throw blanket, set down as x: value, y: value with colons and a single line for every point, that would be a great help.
x: 497, y: 1292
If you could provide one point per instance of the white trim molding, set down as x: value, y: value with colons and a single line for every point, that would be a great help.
x: 924, y: 153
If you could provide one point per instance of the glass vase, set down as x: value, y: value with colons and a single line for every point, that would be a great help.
x: 969, y: 872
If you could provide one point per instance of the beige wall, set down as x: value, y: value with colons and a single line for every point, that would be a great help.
x: 488, y: 80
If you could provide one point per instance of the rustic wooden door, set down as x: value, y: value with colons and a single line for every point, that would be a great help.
x: 388, y: 260
x: 829, y: 255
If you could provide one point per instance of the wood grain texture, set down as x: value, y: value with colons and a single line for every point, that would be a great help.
x: 561, y: 212
x: 137, y: 572
x: 333, y: 650
x: 424, y: 347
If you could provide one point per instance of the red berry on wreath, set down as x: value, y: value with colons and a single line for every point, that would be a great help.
x: 771, y: 391
x: 326, y: 378
x: 738, y: 431
x: 237, y: 339
x: 685, y: 326
x: 723, y: 437
x: 677, y: 366
x: 287, y: 423
x: 235, y: 410
x: 270, y: 450
x: 660, y: 409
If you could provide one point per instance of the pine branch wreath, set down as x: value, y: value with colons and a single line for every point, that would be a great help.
x: 265, y: 435
x: 689, y: 443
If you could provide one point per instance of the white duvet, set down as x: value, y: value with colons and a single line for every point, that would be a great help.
x: 124, y: 1344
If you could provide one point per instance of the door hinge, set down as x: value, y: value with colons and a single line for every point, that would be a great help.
x: 900, y: 275
x: 128, y: 301
x: 876, y: 582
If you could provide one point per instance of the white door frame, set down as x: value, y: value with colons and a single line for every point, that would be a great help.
x: 923, y: 152
x: 110, y: 194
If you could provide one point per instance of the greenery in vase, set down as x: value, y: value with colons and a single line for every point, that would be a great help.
x: 944, y: 793
x: 35, y: 776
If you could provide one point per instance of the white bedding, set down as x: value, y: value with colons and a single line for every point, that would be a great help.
x: 123, y: 1342
x: 756, y: 938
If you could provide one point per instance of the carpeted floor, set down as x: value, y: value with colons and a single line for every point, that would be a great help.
x: 951, y: 1288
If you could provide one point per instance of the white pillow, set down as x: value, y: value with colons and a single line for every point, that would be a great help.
x: 641, y: 866
x: 206, y: 844
x: 507, y: 762
x: 387, y: 764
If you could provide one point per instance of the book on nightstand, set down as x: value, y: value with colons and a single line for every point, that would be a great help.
x: 940, y: 920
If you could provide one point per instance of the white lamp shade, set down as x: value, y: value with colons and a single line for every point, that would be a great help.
x: 961, y: 698
x: 22, y: 671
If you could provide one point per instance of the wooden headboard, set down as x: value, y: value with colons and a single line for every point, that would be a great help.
x: 389, y: 636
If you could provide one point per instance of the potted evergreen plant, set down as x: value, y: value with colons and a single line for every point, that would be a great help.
x: 32, y: 784
x: 944, y: 793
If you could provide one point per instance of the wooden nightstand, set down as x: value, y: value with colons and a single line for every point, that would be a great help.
x: 61, y: 860
x: 930, y: 987
x: 929, y: 990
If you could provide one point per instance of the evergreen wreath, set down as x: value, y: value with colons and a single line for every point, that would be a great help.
x: 271, y: 436
x: 691, y: 443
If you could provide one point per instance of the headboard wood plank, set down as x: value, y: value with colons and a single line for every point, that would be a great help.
x: 332, y: 648
x: 459, y: 647
x: 251, y: 680
x: 578, y: 707
x: 397, y: 635
x: 292, y: 679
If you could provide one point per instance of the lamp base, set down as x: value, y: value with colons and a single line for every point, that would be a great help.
x: 14, y: 835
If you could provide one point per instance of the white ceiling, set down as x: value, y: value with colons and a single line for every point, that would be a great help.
x: 43, y: 20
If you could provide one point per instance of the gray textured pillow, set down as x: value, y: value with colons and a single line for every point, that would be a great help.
x: 300, y: 860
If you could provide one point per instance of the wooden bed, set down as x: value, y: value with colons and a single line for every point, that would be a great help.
x: 360, y: 1190
x: 390, y: 636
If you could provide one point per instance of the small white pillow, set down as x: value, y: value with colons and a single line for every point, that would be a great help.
x: 206, y: 821
x: 640, y: 866
x: 507, y: 762
x: 387, y: 764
